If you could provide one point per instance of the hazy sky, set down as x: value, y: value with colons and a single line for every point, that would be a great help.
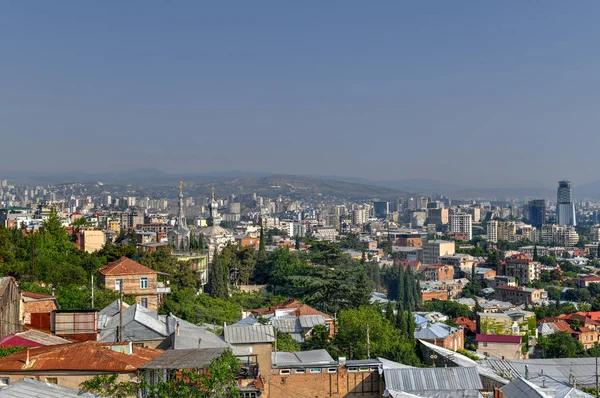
x: 500, y: 93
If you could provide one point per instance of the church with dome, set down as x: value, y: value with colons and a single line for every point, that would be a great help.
x: 215, y: 236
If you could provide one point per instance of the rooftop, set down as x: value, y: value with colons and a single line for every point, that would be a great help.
x: 184, y: 359
x: 302, y: 358
x: 495, y: 338
x: 76, y: 357
x: 125, y: 266
x: 415, y: 380
x: 30, y: 388
x: 249, y: 334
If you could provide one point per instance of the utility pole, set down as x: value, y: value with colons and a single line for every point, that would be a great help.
x: 92, y: 290
x: 32, y: 251
x: 368, y: 344
x: 121, y: 312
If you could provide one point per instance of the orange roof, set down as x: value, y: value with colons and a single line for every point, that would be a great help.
x: 593, y: 315
x: 466, y: 323
x: 39, y: 307
x: 85, y: 356
x: 300, y: 309
x: 125, y: 266
x: 38, y: 296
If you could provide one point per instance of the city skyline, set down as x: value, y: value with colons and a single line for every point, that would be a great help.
x: 391, y: 92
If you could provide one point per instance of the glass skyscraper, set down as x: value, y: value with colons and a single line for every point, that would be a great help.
x: 565, y: 207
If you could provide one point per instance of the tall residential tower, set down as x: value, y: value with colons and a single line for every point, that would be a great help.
x: 565, y: 208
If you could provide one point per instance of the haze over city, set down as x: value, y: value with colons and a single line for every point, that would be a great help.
x: 474, y: 94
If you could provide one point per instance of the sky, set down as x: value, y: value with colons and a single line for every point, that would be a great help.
x: 489, y: 94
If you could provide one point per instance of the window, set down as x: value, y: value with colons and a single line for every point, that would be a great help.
x: 315, y: 370
x: 143, y: 283
x: 118, y: 283
x: 353, y: 369
x: 331, y: 370
x: 52, y: 380
x: 363, y: 369
x: 4, y: 381
x: 144, y: 302
x: 485, y: 343
x: 300, y: 371
x: 284, y: 371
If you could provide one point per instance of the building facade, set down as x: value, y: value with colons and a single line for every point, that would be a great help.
x: 565, y: 207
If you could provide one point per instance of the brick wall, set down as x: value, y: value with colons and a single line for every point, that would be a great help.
x: 322, y: 385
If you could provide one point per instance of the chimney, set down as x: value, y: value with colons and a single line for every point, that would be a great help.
x: 177, y: 329
x: 27, y: 358
x: 526, y: 372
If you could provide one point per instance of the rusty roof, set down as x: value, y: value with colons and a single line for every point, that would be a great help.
x: 125, y: 266
x: 37, y: 296
x: 85, y: 356
x: 291, y: 304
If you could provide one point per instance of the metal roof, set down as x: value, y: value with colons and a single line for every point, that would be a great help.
x: 302, y: 359
x: 310, y: 321
x: 30, y: 388
x: 435, y: 331
x: 286, y: 324
x: 249, y: 335
x: 427, y: 379
x: 520, y: 387
x: 561, y: 369
x: 184, y: 359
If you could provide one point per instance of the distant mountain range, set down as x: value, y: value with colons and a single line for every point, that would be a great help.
x: 328, y: 183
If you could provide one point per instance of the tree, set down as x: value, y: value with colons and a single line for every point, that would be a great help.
x: 201, y: 243
x: 361, y: 292
x: 319, y: 338
x: 217, y: 286
x: 560, y: 345
x: 262, y: 251
x: 401, y: 319
x: 297, y: 244
x: 410, y: 325
x: 535, y: 253
x: 219, y: 379
x: 285, y: 343
x: 389, y: 311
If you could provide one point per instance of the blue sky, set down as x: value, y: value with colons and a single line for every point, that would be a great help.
x: 480, y: 93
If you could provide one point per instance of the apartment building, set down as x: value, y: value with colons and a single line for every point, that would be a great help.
x: 434, y: 249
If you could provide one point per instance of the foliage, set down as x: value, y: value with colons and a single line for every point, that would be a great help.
x: 107, y: 385
x: 384, y: 338
x: 577, y: 295
x: 402, y: 284
x: 285, y: 343
x: 5, y: 351
x: 475, y: 251
x: 351, y: 241
x: 200, y: 308
x: 544, y: 311
x: 450, y: 308
x: 319, y: 339
x: 251, y: 301
x: 467, y: 354
x: 217, y: 285
x: 560, y: 345
x: 240, y: 262
x: 261, y: 270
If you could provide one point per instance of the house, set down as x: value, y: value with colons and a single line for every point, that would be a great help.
x: 438, y: 272
x: 468, y: 325
x: 31, y: 338
x: 298, y: 327
x: 521, y: 295
x: 291, y: 307
x: 522, y: 268
x: 497, y: 306
x: 515, y: 323
x: 442, y: 335
x: 68, y: 365
x: 135, y: 279
x: 35, y: 388
x: 586, y: 280
x: 430, y: 295
x: 316, y: 374
x: 256, y: 339
x: 10, y: 300
x: 499, y: 346
x: 171, y: 363
x: 149, y: 329
x: 36, y: 303
x: 461, y: 382
x: 481, y: 273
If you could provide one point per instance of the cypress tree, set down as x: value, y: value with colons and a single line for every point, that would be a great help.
x: 389, y: 311
x: 192, y: 241
x: 217, y: 287
x: 409, y: 278
x: 410, y: 325
x: 535, y: 253
x: 363, y: 258
x: 297, y: 242
x: 401, y: 319
x: 262, y: 251
x: 401, y: 285
x: 201, y: 243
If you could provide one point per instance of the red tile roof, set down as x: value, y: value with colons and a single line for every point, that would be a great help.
x: 495, y: 338
x: 300, y: 309
x: 466, y: 323
x: 506, y: 287
x: 125, y: 266
x: 86, y: 356
x: 593, y: 315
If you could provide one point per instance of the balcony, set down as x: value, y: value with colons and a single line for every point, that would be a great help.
x: 162, y: 289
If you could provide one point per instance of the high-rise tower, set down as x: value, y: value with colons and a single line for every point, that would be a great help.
x: 565, y: 208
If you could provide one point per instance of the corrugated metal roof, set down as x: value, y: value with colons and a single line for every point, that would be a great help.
x: 310, y: 321
x: 425, y: 379
x: 302, y: 358
x: 286, y: 324
x: 30, y: 388
x: 521, y: 388
x: 435, y: 331
x: 561, y: 369
x: 184, y: 359
x: 249, y: 335
x: 42, y: 338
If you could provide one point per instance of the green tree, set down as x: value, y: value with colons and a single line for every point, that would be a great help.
x: 361, y: 292
x: 389, y: 311
x: 285, y: 343
x: 401, y: 319
x: 319, y: 339
x: 410, y: 325
x: 217, y: 286
x: 560, y: 345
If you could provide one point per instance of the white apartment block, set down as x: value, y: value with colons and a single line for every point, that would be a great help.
x: 462, y: 224
x: 434, y: 249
